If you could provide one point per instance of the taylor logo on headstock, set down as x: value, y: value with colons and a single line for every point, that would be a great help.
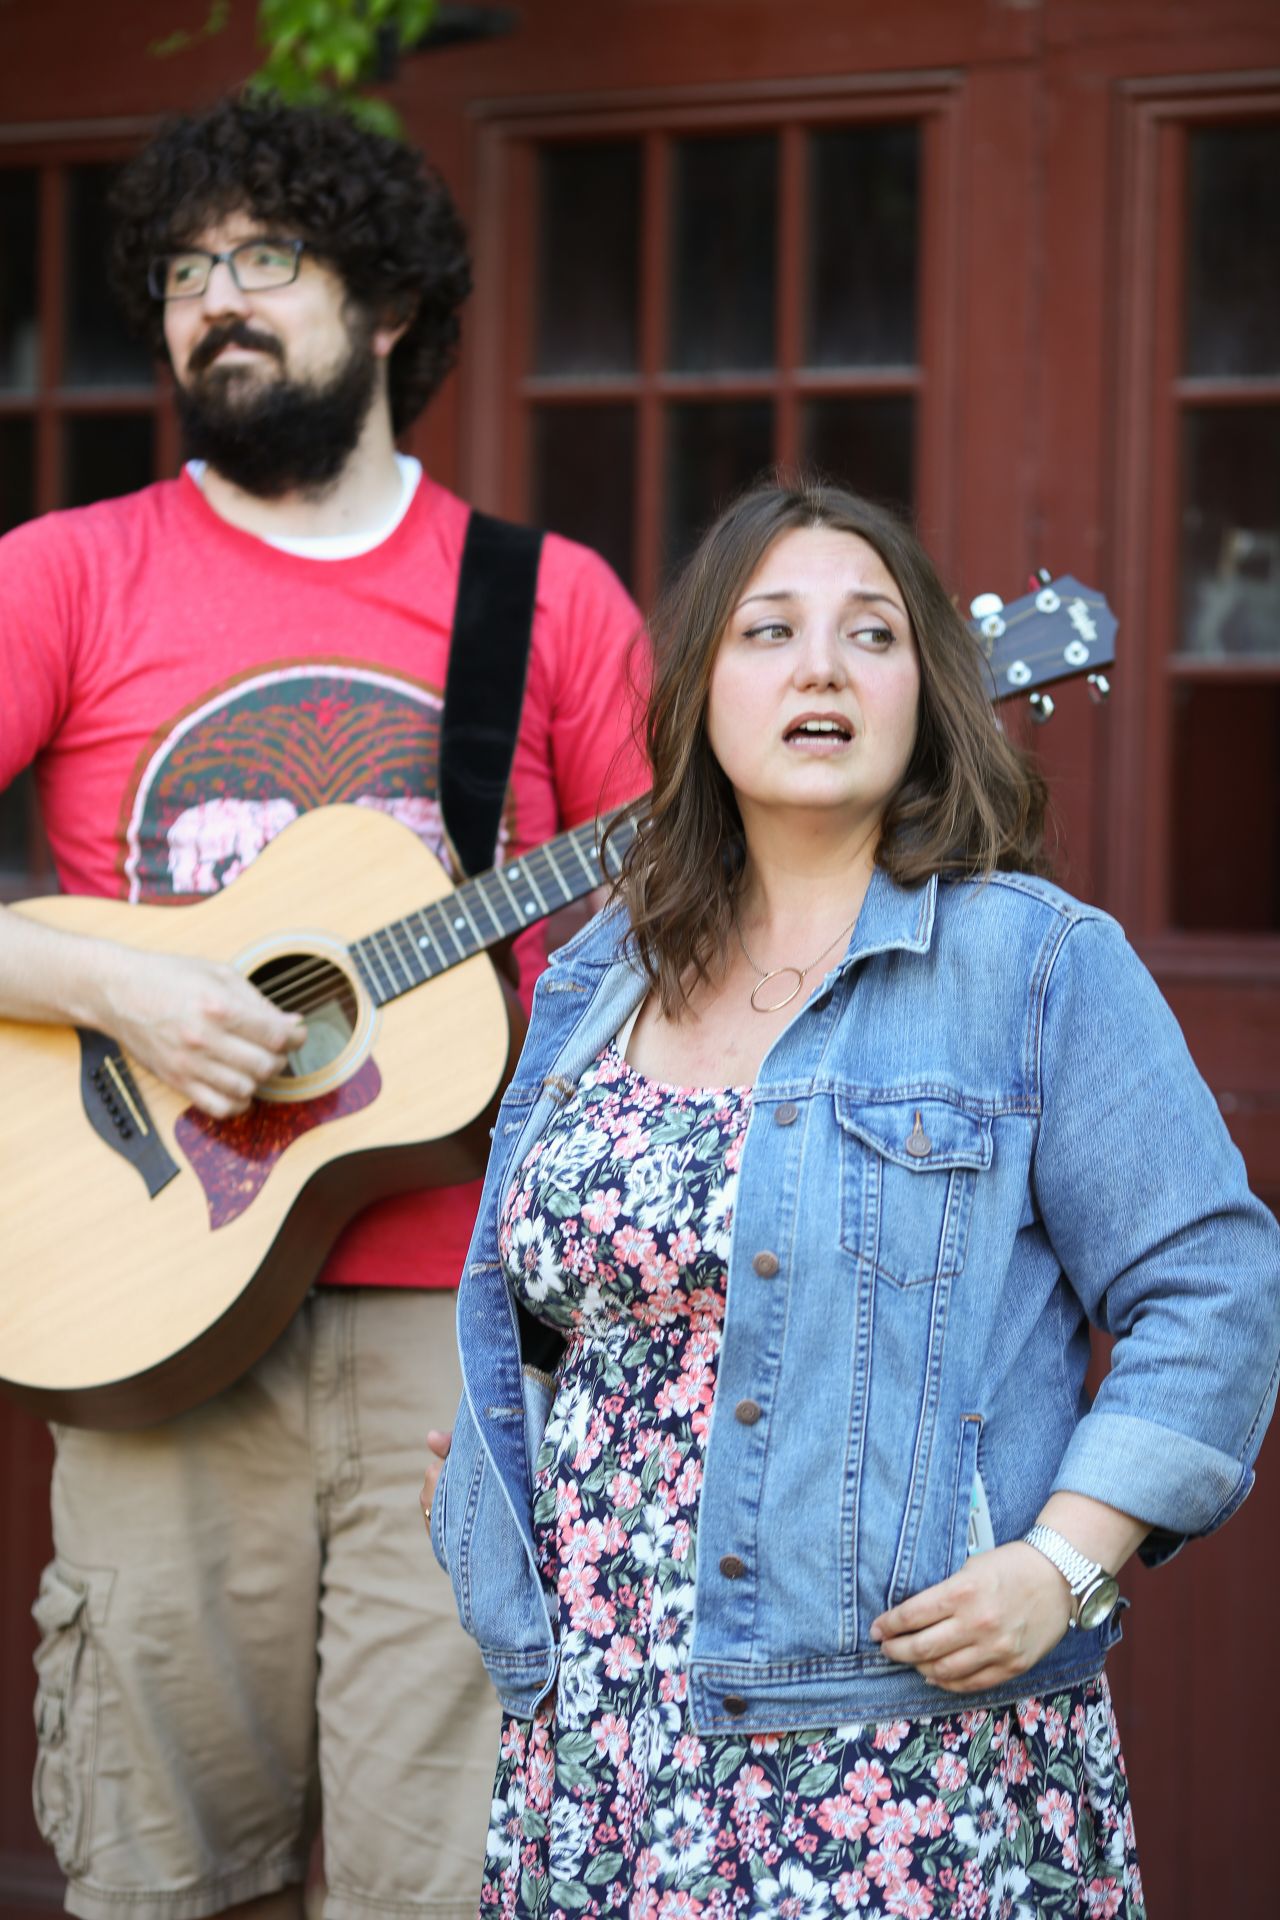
x: 1057, y: 631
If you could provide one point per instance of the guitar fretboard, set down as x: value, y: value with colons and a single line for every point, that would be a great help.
x: 482, y: 912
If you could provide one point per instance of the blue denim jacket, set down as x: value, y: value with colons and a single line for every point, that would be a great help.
x: 983, y: 1131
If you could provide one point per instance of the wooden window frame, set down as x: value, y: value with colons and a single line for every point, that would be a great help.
x: 50, y: 403
x: 1153, y: 392
x: 496, y: 465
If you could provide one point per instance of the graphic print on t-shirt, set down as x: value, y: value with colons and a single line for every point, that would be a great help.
x: 217, y: 784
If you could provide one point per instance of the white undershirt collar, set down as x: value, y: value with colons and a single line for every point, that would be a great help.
x: 338, y: 546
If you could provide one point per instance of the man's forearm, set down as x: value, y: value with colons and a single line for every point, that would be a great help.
x: 48, y: 975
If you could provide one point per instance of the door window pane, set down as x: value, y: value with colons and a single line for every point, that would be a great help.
x: 1233, y: 250
x: 713, y: 450
x: 17, y: 809
x: 583, y: 463
x: 865, y: 442
x: 864, y: 221
x: 100, y: 350
x: 18, y: 340
x: 1226, y: 808
x: 106, y: 454
x: 1230, y: 544
x: 17, y: 472
x: 724, y: 220
x: 588, y: 271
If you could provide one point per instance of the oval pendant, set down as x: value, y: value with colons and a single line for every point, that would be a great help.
x: 776, y: 1006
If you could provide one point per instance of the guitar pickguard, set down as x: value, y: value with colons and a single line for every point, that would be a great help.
x: 232, y: 1159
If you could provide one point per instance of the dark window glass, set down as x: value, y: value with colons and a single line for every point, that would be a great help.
x: 17, y: 814
x: 1226, y: 808
x: 864, y: 217
x: 100, y: 349
x: 588, y: 272
x: 1233, y: 250
x: 583, y: 467
x: 866, y: 442
x: 713, y: 450
x: 106, y: 454
x: 724, y: 221
x: 18, y: 338
x: 1230, y: 546
x: 17, y: 472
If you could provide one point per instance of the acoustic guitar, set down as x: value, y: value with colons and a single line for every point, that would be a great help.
x: 151, y: 1254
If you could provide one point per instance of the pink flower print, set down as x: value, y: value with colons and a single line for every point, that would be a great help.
x: 539, y: 1771
x: 688, y: 1482
x: 1103, y: 1898
x: 972, y: 1719
x: 684, y: 1246
x: 600, y: 1213
x: 575, y: 1585
x: 688, y: 1751
x: 765, y: 1742
x: 1057, y: 1814
x: 632, y: 1246
x: 513, y: 1743
x: 950, y: 1770
x: 1071, y: 1853
x: 1055, y: 1728
x: 1016, y: 1765
x: 751, y: 1788
x: 852, y: 1890
x: 629, y: 1146
x: 596, y: 1615
x: 644, y: 1905
x: 679, y: 1906
x: 867, y: 1782
x: 681, y: 1541
x: 1030, y: 1713
x: 843, y: 1817
x: 893, y: 1823
x: 888, y: 1867
x: 915, y: 1902
x: 612, y: 1738
x: 625, y: 1491
x: 807, y: 1843
x: 568, y: 1502
x: 890, y: 1735
x: 932, y: 1817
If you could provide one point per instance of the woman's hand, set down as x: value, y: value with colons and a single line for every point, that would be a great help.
x: 988, y: 1623
x: 439, y: 1444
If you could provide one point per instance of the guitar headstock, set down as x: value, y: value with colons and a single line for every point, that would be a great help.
x: 1059, y: 631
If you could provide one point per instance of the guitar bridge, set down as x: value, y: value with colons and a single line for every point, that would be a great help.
x: 118, y: 1113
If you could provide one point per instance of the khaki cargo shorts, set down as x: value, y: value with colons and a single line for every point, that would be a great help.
x: 244, y: 1631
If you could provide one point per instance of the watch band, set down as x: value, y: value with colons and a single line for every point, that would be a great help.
x: 1076, y: 1568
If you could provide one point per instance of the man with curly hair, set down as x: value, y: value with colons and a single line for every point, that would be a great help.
x: 243, y: 1631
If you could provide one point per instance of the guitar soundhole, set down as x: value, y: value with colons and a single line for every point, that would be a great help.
x: 308, y: 984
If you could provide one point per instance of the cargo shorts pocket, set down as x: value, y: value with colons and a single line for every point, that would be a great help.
x: 66, y: 1708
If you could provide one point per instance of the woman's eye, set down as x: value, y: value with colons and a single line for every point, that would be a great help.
x: 878, y: 636
x: 769, y: 630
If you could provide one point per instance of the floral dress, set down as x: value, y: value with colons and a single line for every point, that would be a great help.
x: 616, y: 1232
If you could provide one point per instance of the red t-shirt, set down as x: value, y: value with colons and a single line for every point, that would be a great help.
x: 185, y: 690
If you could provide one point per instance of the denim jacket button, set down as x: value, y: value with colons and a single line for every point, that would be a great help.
x: 748, y: 1411
x: 732, y: 1568
x: 766, y: 1264
x: 786, y: 1115
x: 734, y: 1703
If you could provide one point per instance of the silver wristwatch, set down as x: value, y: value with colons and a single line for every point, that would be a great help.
x: 1095, y: 1593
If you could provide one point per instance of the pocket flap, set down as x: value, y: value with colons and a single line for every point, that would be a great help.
x: 60, y: 1601
x: 921, y: 1134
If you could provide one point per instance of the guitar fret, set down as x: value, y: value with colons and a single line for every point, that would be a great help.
x: 391, y: 960
x: 516, y: 866
x: 437, y: 908
x: 413, y: 965
x: 500, y: 874
x: 591, y: 872
x: 481, y: 887
x: 370, y: 955
x: 442, y: 959
x: 460, y: 900
x: 554, y: 865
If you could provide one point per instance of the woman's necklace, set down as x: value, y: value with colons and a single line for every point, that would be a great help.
x: 776, y: 973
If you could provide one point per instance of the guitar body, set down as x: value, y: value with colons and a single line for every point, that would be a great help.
x: 121, y: 1305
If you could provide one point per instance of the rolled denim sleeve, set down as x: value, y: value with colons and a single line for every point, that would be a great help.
x: 1145, y: 1200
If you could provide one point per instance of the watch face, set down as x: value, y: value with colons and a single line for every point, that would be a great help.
x: 1099, y: 1603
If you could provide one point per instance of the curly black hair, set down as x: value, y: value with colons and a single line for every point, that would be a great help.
x: 369, y: 206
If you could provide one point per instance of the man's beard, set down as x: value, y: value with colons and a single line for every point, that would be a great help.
x: 274, y: 436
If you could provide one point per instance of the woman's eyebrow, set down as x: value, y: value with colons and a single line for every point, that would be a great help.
x: 797, y: 593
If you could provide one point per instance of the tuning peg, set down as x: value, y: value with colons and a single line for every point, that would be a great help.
x: 983, y: 605
x: 1042, y: 576
x: 1099, y: 688
x: 1041, y: 708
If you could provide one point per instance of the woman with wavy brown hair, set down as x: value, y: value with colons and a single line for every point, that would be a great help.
x: 776, y: 1501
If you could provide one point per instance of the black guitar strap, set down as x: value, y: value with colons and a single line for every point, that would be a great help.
x: 484, y: 685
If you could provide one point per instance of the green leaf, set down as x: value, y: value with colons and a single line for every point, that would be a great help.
x: 566, y: 1893
x: 604, y: 1868
x: 815, y: 1780
x: 727, y: 1763
x: 1053, y: 1879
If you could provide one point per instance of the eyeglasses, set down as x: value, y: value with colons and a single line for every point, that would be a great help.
x: 255, y: 265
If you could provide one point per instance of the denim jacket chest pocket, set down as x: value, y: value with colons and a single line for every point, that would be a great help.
x: 907, y: 1171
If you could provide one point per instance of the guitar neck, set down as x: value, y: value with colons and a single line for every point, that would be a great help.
x: 489, y: 909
